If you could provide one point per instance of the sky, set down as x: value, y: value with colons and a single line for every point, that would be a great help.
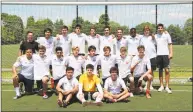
x: 129, y: 15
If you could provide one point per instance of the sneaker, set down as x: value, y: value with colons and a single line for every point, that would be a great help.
x: 85, y: 103
x: 45, y: 96
x: 60, y: 103
x: 161, y: 89
x: 168, y: 90
x: 151, y: 88
x: 17, y: 97
x: 131, y: 95
x: 65, y: 104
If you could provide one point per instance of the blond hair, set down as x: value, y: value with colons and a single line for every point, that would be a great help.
x: 106, y: 47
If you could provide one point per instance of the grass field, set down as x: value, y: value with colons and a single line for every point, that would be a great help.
x: 179, y: 100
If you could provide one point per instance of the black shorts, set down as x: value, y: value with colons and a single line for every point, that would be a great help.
x: 56, y: 81
x: 153, y: 63
x: 86, y: 95
x: 163, y: 61
x: 136, y: 79
x: 104, y: 81
x: 78, y: 77
x: 27, y: 83
x: 81, y: 54
x: 39, y: 83
x: 126, y: 79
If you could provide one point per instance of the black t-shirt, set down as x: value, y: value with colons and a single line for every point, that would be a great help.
x: 29, y: 45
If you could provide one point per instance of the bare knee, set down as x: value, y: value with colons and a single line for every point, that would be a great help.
x: 45, y: 80
x: 150, y: 77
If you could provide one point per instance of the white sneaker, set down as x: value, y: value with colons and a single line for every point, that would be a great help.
x: 168, y: 90
x: 45, y: 96
x: 151, y: 88
x: 161, y: 89
x: 131, y: 95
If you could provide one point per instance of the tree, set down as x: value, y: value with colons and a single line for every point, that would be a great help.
x: 188, y: 30
x: 30, y: 23
x: 57, y: 26
x: 12, y: 29
x: 139, y: 28
x: 80, y: 21
x: 103, y: 18
x: 176, y: 34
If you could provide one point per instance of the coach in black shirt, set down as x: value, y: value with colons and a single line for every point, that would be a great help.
x: 28, y: 44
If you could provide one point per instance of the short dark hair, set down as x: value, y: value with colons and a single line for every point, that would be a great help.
x: 48, y: 29
x: 160, y: 24
x: 120, y: 29
x: 92, y: 28
x: 141, y: 47
x: 64, y: 27
x: 107, y: 27
x: 91, y: 48
x: 114, y: 69
x: 58, y: 49
x: 90, y: 66
x: 132, y: 29
x: 78, y: 25
x: 69, y: 69
x: 29, y: 32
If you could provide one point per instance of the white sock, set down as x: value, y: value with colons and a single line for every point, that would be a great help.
x: 146, y: 84
x: 151, y: 84
x: 17, y: 91
x: 98, y: 99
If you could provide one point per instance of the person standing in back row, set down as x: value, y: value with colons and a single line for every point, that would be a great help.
x: 164, y: 55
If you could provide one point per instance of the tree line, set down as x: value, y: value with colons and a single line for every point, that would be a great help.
x: 13, y: 30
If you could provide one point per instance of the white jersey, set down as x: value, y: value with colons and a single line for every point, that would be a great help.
x: 78, y: 41
x: 92, y: 60
x: 41, y: 66
x: 64, y: 43
x: 76, y: 63
x: 133, y: 43
x: 93, y: 41
x: 48, y: 43
x: 106, y: 64
x: 106, y: 41
x: 149, y: 44
x: 58, y: 67
x: 27, y: 67
x: 162, y: 43
x: 142, y: 67
x: 114, y: 87
x: 124, y: 65
x: 118, y: 44
x: 68, y: 84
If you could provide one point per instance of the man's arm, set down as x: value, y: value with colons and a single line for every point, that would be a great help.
x: 170, y: 51
x: 20, y: 49
x: 15, y: 65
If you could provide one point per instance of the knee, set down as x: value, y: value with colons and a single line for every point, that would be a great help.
x: 150, y: 77
x: 167, y: 71
x: 45, y: 80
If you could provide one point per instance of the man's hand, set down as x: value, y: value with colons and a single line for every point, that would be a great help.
x: 97, y: 35
x: 141, y: 78
x: 14, y: 76
x: 57, y: 36
x: 113, y: 36
x: 170, y: 56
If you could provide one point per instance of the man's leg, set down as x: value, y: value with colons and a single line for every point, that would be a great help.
x: 160, y: 66
x: 123, y: 97
x: 81, y: 98
x: 148, y: 79
x: 28, y: 86
x: 98, y: 98
x: 60, y: 99
x: 109, y: 98
x: 45, y: 80
x: 132, y: 86
x: 16, y: 81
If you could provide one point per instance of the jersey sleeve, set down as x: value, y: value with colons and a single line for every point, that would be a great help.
x: 61, y: 81
x: 106, y: 84
x: 133, y: 62
x: 123, y: 84
x: 169, y: 39
x: 18, y: 62
x: 75, y: 82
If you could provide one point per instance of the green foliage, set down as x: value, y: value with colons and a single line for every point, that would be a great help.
x: 57, y: 26
x: 177, y: 34
x: 188, y: 30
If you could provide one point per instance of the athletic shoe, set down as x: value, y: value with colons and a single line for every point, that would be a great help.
x: 131, y: 95
x: 85, y: 103
x: 60, y: 103
x: 17, y: 97
x: 151, y: 88
x: 65, y: 104
x: 168, y: 90
x: 45, y: 96
x: 161, y: 89
x: 190, y: 79
x: 99, y: 103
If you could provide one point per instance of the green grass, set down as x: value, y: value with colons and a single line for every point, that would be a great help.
x: 177, y: 101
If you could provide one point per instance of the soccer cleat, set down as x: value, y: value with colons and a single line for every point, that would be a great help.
x: 131, y: 95
x: 17, y: 97
x: 168, y: 90
x: 45, y: 96
x: 65, y: 104
x: 161, y: 89
x: 60, y: 103
x: 85, y: 103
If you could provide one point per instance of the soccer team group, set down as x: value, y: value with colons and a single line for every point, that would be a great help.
x: 122, y: 62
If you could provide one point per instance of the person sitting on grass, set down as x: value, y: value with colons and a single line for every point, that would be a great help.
x: 141, y: 69
x: 42, y: 70
x: 25, y: 75
x: 87, y: 87
x: 113, y: 87
x: 67, y: 87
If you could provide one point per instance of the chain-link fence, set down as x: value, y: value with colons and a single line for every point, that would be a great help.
x: 17, y: 19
